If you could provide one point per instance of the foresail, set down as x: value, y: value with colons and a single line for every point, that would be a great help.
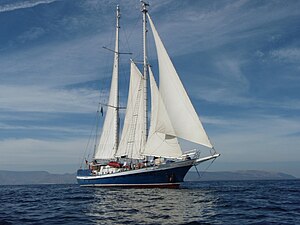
x: 108, y: 141
x: 182, y: 114
x: 133, y: 139
x: 161, y: 140
x: 106, y: 146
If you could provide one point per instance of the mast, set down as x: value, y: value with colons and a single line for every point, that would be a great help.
x: 145, y: 65
x: 117, y: 122
x: 109, y: 139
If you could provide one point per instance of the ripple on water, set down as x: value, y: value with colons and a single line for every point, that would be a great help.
x: 247, y: 202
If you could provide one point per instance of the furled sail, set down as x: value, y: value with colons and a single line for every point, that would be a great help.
x: 133, y: 138
x: 182, y: 114
x: 107, y: 146
x: 162, y: 139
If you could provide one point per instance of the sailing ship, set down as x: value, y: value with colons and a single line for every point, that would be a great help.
x: 144, y: 157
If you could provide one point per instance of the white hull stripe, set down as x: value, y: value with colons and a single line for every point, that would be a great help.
x: 129, y: 185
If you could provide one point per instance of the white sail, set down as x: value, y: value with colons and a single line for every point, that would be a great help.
x: 182, y: 114
x: 107, y: 146
x: 133, y: 138
x: 160, y: 142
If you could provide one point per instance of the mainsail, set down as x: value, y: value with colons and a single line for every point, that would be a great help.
x: 181, y: 112
x: 133, y: 138
x: 162, y: 139
x: 107, y: 146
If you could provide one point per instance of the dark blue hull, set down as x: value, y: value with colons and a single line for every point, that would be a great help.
x: 165, y: 176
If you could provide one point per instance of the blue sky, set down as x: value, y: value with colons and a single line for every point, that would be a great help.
x: 239, y: 61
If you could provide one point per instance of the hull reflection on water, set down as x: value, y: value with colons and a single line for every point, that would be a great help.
x: 150, y: 206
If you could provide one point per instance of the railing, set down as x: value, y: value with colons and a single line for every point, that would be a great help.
x: 193, y: 154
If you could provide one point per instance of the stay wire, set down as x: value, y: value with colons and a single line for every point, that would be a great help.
x: 205, y: 170
x: 89, y: 140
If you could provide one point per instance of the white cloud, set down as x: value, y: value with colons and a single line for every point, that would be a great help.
x: 57, y: 64
x: 217, y: 121
x: 231, y: 72
x: 286, y: 54
x: 257, y: 139
x: 211, y: 27
x: 34, y: 151
x: 226, y: 85
x: 261, y: 139
x: 23, y: 5
x: 43, y: 99
x: 49, y: 129
x: 253, y: 139
x: 222, y: 96
x: 32, y: 34
x: 259, y: 53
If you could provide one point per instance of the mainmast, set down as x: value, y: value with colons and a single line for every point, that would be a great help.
x: 145, y: 65
x: 116, y: 64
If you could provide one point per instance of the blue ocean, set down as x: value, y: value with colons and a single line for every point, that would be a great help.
x: 222, y: 202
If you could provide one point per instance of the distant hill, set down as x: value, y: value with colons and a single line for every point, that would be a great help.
x: 34, y: 177
x: 237, y: 175
x: 43, y: 177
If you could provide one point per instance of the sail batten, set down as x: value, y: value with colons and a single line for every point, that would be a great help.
x: 182, y: 114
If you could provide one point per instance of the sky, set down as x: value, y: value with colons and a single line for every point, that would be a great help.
x: 238, y: 60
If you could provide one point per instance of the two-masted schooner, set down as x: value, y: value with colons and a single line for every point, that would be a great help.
x: 144, y: 157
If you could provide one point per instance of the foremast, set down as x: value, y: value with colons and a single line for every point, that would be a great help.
x: 109, y: 140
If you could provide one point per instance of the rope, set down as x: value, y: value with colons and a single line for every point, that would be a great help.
x: 89, y: 140
x: 201, y: 175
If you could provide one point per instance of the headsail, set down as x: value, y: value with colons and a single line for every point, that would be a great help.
x: 107, y: 146
x: 133, y: 138
x: 182, y: 114
x: 161, y: 140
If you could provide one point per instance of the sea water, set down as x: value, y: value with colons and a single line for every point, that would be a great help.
x: 222, y: 202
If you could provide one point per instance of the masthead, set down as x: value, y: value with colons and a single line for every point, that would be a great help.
x: 144, y: 6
